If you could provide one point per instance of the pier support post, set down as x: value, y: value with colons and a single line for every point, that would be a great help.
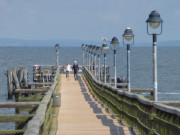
x: 57, y: 54
x: 86, y: 58
x: 15, y: 78
x: 25, y: 77
x: 95, y: 64
x: 104, y: 68
x: 89, y: 55
x: 83, y: 58
x: 115, y: 78
x: 10, y: 85
x: 99, y: 67
x: 128, y: 68
x: 155, y: 66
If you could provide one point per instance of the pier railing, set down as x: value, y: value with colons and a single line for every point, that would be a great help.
x: 44, y: 122
x: 36, y: 109
x: 151, y: 118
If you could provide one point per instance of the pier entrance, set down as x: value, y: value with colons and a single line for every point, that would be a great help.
x: 81, y: 114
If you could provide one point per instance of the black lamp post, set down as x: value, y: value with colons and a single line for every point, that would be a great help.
x: 98, y: 52
x: 57, y: 54
x: 83, y: 48
x: 154, y: 21
x: 128, y: 36
x: 105, y: 49
x: 115, y: 47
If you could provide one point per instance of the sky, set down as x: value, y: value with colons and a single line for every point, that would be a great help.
x: 86, y: 19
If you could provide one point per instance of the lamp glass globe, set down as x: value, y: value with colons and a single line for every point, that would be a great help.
x: 128, y: 38
x: 154, y: 25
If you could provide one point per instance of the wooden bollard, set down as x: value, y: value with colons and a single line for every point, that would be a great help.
x: 20, y: 76
x: 10, y: 83
x: 25, y: 76
x: 15, y: 78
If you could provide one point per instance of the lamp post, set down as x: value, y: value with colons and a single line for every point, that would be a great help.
x: 94, y: 64
x: 86, y: 46
x: 89, y: 48
x: 98, y: 51
x: 57, y: 54
x: 154, y: 21
x: 128, y: 36
x: 105, y: 49
x: 88, y: 57
x: 115, y: 47
x: 92, y: 59
x: 83, y: 48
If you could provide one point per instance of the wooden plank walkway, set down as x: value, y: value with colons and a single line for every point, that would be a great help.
x: 81, y: 114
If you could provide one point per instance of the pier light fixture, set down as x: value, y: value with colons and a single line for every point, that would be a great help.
x: 83, y: 48
x: 98, y: 52
x: 105, y: 49
x: 57, y: 46
x: 114, y: 46
x: 114, y: 43
x: 154, y: 21
x: 129, y: 37
x: 57, y: 54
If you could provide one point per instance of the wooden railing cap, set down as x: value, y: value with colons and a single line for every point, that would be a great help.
x: 166, y: 108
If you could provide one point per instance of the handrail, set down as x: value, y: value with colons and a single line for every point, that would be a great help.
x: 37, y: 125
x: 152, y: 118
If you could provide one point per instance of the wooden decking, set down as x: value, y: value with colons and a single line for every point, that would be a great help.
x: 81, y: 114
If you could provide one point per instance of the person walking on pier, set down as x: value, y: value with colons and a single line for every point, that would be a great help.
x: 68, y: 70
x: 75, y: 68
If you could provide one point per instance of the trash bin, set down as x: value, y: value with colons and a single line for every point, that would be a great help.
x: 57, y: 100
x: 122, y: 80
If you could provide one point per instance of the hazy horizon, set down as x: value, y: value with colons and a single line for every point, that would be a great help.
x: 72, y: 43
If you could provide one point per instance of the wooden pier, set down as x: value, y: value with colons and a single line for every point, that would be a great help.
x: 81, y: 114
x: 56, y: 106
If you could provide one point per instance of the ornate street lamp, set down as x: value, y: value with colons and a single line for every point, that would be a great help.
x: 115, y: 47
x: 105, y: 49
x: 83, y: 48
x: 154, y: 21
x: 98, y: 52
x: 57, y: 54
x: 128, y: 36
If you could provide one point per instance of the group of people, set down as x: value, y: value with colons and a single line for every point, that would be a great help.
x: 75, y: 68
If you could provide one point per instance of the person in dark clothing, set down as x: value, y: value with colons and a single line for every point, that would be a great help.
x: 75, y: 68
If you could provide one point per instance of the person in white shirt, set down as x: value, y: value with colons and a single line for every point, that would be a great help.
x: 68, y: 70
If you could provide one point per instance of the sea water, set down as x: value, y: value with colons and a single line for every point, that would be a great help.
x: 141, y: 60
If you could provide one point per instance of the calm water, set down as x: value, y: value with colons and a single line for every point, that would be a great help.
x: 141, y: 67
